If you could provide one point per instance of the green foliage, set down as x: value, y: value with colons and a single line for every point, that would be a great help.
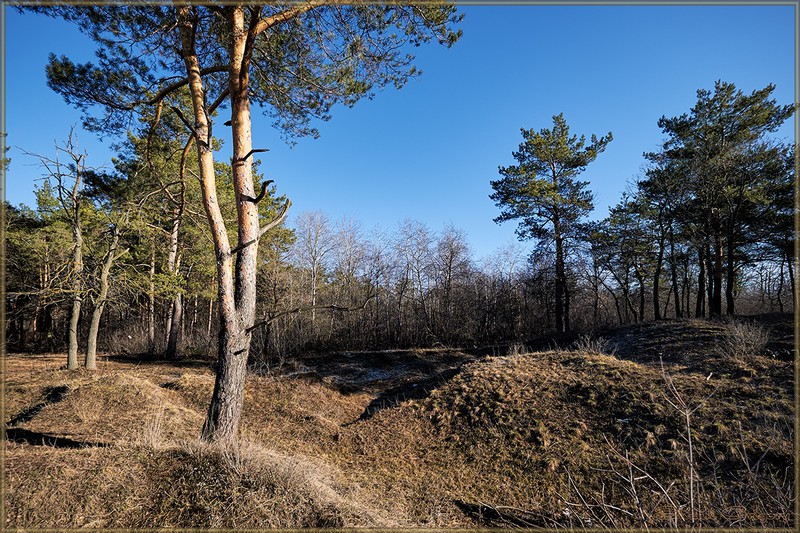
x: 301, y: 68
x: 541, y: 189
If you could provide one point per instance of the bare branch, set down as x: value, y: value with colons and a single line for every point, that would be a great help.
x: 303, y: 308
x: 264, y: 185
x: 180, y: 83
x: 185, y: 122
x: 253, y: 151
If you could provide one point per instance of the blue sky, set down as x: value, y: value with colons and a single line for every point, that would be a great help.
x: 429, y: 150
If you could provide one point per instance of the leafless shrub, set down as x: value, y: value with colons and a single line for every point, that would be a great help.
x: 743, y: 340
x: 517, y: 348
x: 594, y: 345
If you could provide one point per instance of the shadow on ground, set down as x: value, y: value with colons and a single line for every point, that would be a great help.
x: 392, y: 376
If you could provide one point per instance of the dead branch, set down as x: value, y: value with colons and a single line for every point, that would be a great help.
x: 251, y: 152
x: 277, y: 220
x: 185, y: 122
x: 264, y: 185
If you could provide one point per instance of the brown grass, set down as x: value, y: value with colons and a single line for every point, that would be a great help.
x: 555, y: 439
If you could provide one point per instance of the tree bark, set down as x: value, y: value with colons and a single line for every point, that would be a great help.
x: 657, y: 279
x: 100, y: 302
x: 789, y: 264
x: 176, y: 320
x: 77, y: 291
x: 151, y: 303
x: 780, y: 288
x: 716, y: 295
x: 560, y: 278
x: 699, y: 310
x: 77, y: 273
x: 673, y: 270
x: 236, y: 288
x: 730, y: 281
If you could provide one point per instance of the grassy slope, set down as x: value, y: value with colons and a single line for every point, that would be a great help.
x: 419, y: 438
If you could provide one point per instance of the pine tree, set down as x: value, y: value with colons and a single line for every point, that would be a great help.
x: 542, y: 191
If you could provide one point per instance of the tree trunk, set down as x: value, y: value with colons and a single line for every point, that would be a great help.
x: 666, y: 304
x: 100, y: 303
x: 699, y: 310
x: 210, y: 316
x: 175, y: 326
x: 780, y: 289
x: 77, y: 292
x: 730, y: 281
x: 560, y: 279
x: 566, y: 307
x: 173, y: 265
x: 237, y: 289
x: 657, y: 279
x: 790, y: 268
x: 151, y: 303
x: 193, y: 322
x: 673, y: 270
x: 640, y: 279
x: 716, y: 296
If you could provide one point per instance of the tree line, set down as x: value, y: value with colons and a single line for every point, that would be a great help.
x: 675, y: 241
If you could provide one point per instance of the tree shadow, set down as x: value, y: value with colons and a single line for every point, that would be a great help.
x: 414, y: 390
x: 391, y: 376
x: 52, y: 395
x: 24, y: 436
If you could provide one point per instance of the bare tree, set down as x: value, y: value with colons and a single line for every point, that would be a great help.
x: 67, y: 178
x: 314, y: 248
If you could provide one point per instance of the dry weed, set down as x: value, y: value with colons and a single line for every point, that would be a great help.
x: 743, y: 340
x: 594, y: 345
x: 517, y: 348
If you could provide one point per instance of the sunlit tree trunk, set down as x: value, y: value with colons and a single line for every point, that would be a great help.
x: 77, y: 283
x: 151, y: 303
x: 100, y: 302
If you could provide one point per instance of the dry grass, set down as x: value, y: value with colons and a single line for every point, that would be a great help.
x: 556, y: 439
x: 744, y: 340
x: 594, y: 345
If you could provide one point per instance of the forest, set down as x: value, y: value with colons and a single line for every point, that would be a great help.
x: 208, y: 357
x: 128, y: 256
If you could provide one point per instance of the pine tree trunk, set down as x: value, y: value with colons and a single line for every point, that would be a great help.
x: 657, y: 280
x: 790, y: 268
x: 673, y: 270
x: 640, y: 280
x: 716, y: 296
x: 151, y: 304
x: 175, y: 326
x: 236, y: 288
x: 730, y: 281
x: 560, y: 281
x: 780, y: 288
x: 699, y: 310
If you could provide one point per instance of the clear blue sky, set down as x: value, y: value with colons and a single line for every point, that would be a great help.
x: 429, y: 150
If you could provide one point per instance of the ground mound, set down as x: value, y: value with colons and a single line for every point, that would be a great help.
x: 576, y: 439
x: 188, y: 486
